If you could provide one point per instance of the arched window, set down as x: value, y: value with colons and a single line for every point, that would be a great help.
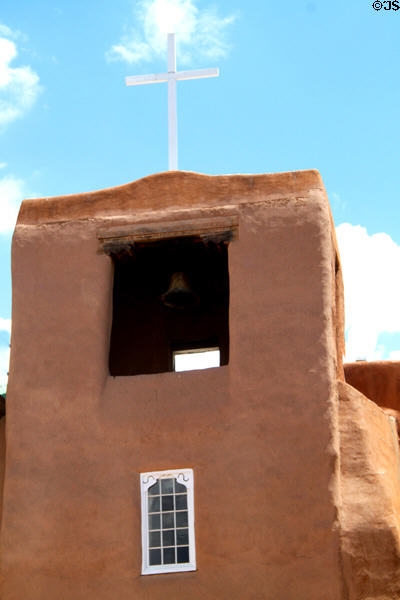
x: 167, y: 521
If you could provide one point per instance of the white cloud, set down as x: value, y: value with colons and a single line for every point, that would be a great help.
x: 371, y: 264
x: 6, y: 31
x: 12, y: 192
x: 202, y: 32
x: 5, y: 325
x: 19, y: 86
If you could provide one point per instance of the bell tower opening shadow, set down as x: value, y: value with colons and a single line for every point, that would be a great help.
x: 168, y: 295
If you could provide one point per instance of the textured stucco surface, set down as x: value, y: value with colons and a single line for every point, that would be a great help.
x: 174, y: 190
x: 370, y: 490
x: 2, y: 459
x: 261, y: 433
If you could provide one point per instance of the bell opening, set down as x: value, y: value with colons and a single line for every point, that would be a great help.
x: 169, y: 295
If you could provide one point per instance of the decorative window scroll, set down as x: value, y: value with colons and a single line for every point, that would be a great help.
x: 167, y: 522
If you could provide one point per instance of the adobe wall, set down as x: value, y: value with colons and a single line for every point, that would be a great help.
x: 370, y: 479
x: 370, y: 491
x: 2, y: 459
x: 378, y: 380
x: 261, y: 433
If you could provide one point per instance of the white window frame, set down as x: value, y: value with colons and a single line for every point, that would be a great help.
x: 184, y: 477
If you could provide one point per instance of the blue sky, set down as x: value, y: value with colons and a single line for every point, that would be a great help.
x: 303, y: 84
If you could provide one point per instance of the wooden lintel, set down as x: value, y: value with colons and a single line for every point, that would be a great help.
x: 120, y: 239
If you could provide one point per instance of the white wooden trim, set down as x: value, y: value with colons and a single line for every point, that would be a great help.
x: 184, y: 477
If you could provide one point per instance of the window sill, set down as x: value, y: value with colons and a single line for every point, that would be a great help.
x: 156, y: 570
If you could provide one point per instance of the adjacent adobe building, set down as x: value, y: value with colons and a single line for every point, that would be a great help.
x: 265, y: 477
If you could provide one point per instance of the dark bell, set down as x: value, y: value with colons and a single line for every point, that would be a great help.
x: 179, y: 294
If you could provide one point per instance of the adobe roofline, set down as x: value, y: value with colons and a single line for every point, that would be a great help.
x: 178, y: 189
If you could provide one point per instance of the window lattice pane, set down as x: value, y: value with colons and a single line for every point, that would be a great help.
x: 154, y: 539
x: 167, y: 503
x: 154, y: 522
x: 168, y: 520
x: 182, y: 537
x: 169, y: 556
x: 181, y: 502
x: 167, y: 486
x: 168, y: 525
x: 154, y: 504
x: 168, y: 538
x: 183, y: 554
x: 155, y: 557
x: 182, y: 519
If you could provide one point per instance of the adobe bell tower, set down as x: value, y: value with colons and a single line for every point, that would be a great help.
x: 128, y: 478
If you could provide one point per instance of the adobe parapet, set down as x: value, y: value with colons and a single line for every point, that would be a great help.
x: 179, y: 190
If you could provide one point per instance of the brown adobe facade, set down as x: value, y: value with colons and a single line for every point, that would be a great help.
x: 296, y: 473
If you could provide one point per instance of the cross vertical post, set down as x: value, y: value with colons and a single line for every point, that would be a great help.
x: 172, y: 109
x: 171, y: 78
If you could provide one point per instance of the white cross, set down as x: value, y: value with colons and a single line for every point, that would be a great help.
x: 171, y: 77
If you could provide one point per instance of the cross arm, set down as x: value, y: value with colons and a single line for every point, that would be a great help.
x: 139, y: 79
x: 163, y: 77
x: 197, y: 74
